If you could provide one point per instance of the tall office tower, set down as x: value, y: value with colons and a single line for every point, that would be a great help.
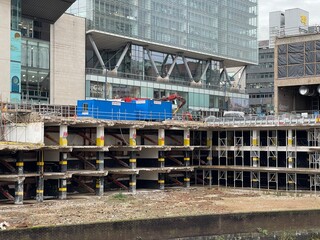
x: 152, y: 48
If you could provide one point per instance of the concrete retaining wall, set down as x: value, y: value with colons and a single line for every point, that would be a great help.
x: 181, y: 227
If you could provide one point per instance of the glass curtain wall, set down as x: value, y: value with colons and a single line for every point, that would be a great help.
x: 35, y: 70
x: 15, y: 14
x: 226, y: 28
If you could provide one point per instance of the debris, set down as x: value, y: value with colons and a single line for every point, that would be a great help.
x: 4, y: 225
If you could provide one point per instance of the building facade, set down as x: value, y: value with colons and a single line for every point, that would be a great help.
x: 260, y: 80
x: 297, y: 71
x: 42, y: 52
x: 128, y: 48
x: 290, y: 22
x: 152, y: 49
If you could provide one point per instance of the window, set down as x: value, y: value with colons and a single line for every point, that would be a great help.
x: 85, y: 108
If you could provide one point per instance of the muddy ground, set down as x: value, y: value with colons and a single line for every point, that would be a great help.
x: 150, y: 204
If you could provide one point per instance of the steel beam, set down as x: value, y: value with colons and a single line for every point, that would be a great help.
x: 187, y: 67
x: 96, y: 51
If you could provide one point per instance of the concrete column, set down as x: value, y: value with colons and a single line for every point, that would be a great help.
x: 209, y: 144
x: 63, y: 135
x: 133, y: 160
x: 161, y: 164
x: 290, y: 138
x: 100, y: 161
x: 62, y: 188
x: 161, y: 137
x: 290, y: 162
x: 209, y: 157
x: 100, y: 167
x: 187, y: 163
x: 133, y: 177
x: 186, y: 137
x: 63, y: 182
x: 289, y: 144
x: 255, y: 182
x: 254, y: 138
x: 63, y: 141
x: 255, y: 142
x: 100, y: 136
x: 133, y: 183
x: 18, y: 197
x: 40, y: 179
x: 63, y: 162
x: 132, y: 137
x: 291, y: 180
x: 255, y: 161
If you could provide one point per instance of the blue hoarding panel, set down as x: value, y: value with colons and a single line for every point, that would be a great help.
x: 101, y: 109
x: 117, y: 110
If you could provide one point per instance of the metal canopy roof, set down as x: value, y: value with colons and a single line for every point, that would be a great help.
x: 47, y: 10
x: 105, y: 40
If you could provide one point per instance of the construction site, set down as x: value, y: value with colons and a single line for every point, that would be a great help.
x: 49, y: 152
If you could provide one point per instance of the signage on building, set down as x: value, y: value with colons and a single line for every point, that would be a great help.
x: 303, y: 20
x: 15, y: 66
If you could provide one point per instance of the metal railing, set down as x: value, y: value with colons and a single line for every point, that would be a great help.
x: 275, y: 120
x: 304, y: 117
x: 42, y: 109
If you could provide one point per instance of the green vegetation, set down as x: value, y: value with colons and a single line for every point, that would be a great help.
x: 262, y: 231
x: 120, y: 196
x: 286, y: 236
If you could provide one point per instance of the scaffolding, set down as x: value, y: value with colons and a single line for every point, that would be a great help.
x: 93, y: 156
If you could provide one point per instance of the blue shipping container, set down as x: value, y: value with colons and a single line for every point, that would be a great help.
x: 106, y: 109
x: 153, y: 110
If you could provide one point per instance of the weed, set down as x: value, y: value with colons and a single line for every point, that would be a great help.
x: 120, y: 196
x: 263, y: 231
x: 286, y: 236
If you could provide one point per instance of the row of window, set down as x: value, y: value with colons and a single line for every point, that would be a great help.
x: 260, y: 75
x: 97, y: 90
x: 260, y: 85
x: 266, y: 56
x: 260, y: 95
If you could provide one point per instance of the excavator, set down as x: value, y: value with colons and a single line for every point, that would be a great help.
x: 182, y: 101
x: 172, y: 98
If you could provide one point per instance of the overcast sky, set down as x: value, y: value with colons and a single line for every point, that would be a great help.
x: 266, y: 6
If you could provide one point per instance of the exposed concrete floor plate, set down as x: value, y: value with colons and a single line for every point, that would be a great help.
x: 85, y: 122
x: 263, y: 169
x: 16, y: 177
x: 89, y: 173
x: 90, y: 148
x: 124, y: 171
x: 57, y: 148
x: 13, y: 146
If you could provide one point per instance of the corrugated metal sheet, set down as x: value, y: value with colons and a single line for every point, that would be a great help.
x: 48, y: 10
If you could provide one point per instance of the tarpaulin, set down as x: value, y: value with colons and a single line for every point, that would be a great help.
x: 282, y: 59
x: 282, y: 72
x: 309, y: 46
x: 282, y: 49
x: 295, y: 58
x: 310, y: 69
x: 317, y: 56
x: 318, y: 69
x: 295, y: 70
x: 296, y: 47
x: 310, y: 57
x: 318, y: 44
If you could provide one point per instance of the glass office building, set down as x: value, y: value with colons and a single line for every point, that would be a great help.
x: 26, y: 52
x: 160, y: 47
